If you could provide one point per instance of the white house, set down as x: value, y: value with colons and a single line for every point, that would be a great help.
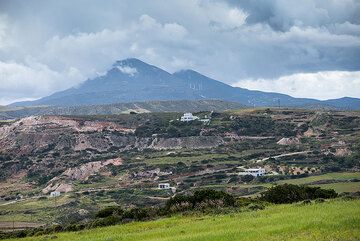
x: 205, y: 120
x: 253, y: 172
x: 188, y: 117
x: 164, y: 186
x: 55, y: 194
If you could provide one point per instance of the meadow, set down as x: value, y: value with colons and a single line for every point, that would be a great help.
x: 330, y: 220
x: 342, y: 181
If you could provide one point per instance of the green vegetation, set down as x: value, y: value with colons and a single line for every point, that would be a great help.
x: 341, y: 187
x: 339, y: 181
x: 203, y: 201
x: 289, y: 193
x: 331, y: 220
x: 324, y: 152
x: 323, y: 177
x: 255, y: 125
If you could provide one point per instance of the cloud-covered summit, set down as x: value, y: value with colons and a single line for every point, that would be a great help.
x: 46, y: 46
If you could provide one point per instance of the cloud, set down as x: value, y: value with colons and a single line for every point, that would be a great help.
x: 34, y: 79
x: 127, y: 70
x: 2, y: 30
x: 320, y: 85
x: 223, y: 17
x: 228, y: 40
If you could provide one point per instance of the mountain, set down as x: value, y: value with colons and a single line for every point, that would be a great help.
x: 120, y: 108
x: 346, y: 103
x: 212, y: 89
x: 132, y: 80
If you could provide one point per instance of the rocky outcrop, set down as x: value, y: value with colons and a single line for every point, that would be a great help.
x: 44, y: 133
x: 84, y: 171
x: 310, y: 133
x: 49, y: 134
x: 62, y: 183
x: 59, y: 187
x: 288, y: 141
x: 342, y: 151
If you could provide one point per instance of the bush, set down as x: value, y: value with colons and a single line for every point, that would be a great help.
x: 200, y: 199
x: 247, y: 178
x: 289, y: 193
x: 136, y: 214
x: 256, y: 206
x: 110, y: 220
x: 109, y: 211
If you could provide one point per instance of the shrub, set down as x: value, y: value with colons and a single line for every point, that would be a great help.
x: 109, y: 211
x: 110, y: 220
x: 289, y: 193
x: 200, y: 199
x: 247, y: 178
x: 136, y: 214
x: 256, y: 206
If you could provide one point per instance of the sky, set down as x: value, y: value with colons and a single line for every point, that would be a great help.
x: 301, y: 48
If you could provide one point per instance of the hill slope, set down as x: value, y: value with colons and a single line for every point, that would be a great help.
x: 120, y: 108
x: 132, y: 80
x: 333, y: 220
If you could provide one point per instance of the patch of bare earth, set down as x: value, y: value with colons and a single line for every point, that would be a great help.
x: 63, y: 183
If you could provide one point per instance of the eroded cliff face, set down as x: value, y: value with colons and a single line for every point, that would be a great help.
x: 63, y: 182
x: 33, y: 135
x: 57, y: 150
x: 45, y: 133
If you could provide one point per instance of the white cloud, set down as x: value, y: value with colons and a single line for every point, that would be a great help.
x: 223, y: 17
x: 34, y: 79
x: 321, y: 85
x: 3, y: 29
x: 127, y: 70
x: 243, y: 40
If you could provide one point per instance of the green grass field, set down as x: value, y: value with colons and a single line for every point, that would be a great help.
x: 33, y: 209
x: 343, y: 185
x: 327, y: 176
x: 332, y: 220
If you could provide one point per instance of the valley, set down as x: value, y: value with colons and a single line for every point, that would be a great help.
x: 105, y: 160
x: 180, y: 120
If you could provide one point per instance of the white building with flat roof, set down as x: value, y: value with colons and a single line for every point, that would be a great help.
x: 256, y: 172
x: 164, y: 186
x: 188, y: 117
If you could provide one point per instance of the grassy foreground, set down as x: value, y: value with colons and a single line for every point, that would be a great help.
x: 332, y: 220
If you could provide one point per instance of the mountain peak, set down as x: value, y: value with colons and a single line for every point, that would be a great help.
x: 130, y: 61
x: 133, y: 66
x: 186, y: 71
x: 189, y: 74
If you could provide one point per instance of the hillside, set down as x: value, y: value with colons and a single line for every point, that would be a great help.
x: 132, y: 80
x: 332, y: 220
x: 96, y: 161
x: 121, y: 108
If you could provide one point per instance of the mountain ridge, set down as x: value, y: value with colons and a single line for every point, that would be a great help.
x: 132, y: 80
x: 121, y: 108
